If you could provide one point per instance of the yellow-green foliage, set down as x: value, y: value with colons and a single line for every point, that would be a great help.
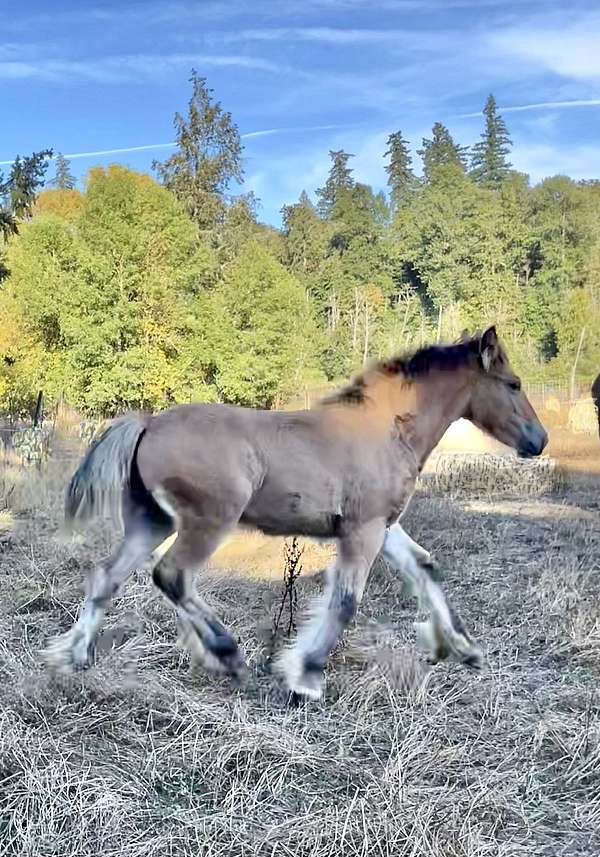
x: 117, y: 304
x: 136, y: 294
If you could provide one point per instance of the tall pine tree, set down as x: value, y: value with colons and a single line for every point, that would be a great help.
x: 64, y: 178
x: 207, y: 160
x: 441, y: 151
x: 489, y: 164
x: 401, y: 179
x: 339, y: 179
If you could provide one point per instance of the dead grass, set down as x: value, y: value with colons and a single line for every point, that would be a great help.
x: 457, y: 475
x: 139, y: 756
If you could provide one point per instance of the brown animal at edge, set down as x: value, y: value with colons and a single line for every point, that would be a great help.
x: 596, y: 398
x: 344, y: 471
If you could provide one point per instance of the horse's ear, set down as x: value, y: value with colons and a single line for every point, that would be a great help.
x: 488, y: 347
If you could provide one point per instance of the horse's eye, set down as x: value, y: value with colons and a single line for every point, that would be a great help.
x: 515, y: 385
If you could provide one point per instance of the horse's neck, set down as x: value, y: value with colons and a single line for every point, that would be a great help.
x: 438, y: 400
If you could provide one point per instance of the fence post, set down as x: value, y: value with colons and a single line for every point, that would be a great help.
x: 38, y: 409
x: 574, y: 369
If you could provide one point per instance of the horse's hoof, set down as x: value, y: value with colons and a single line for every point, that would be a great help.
x: 301, y: 678
x: 239, y: 675
x: 82, y: 656
x: 68, y: 653
x: 474, y: 660
x: 434, y: 569
x: 295, y: 700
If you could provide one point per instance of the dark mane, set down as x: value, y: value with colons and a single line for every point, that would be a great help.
x: 411, y: 366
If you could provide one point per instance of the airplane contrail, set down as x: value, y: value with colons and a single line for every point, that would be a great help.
x: 541, y: 105
x: 119, y: 151
x: 267, y: 132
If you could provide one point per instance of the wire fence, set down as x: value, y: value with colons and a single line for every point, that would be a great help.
x: 561, y: 390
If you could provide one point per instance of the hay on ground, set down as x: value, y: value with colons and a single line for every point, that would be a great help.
x: 552, y: 405
x: 583, y: 417
x: 488, y: 474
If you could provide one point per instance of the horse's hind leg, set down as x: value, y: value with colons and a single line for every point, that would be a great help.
x: 146, y: 526
x: 444, y: 632
x: 303, y: 665
x: 207, y: 639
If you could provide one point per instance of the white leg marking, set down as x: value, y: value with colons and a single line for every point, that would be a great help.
x: 73, y: 648
x: 397, y: 537
x: 290, y: 663
x: 162, y: 549
x: 346, y: 579
x: 406, y: 555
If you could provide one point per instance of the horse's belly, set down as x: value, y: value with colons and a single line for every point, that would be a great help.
x: 302, y: 512
x: 287, y: 522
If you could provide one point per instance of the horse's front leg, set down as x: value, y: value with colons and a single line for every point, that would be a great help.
x: 303, y: 665
x: 443, y: 633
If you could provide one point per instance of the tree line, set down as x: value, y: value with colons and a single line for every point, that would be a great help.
x: 142, y: 291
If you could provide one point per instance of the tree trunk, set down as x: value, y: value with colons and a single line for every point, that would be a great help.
x: 366, y: 344
x: 355, y: 321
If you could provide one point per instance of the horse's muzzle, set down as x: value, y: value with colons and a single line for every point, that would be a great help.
x: 533, y: 440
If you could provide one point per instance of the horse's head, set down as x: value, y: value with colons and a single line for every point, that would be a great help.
x: 498, y: 405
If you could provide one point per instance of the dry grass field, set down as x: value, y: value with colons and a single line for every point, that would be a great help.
x: 140, y: 756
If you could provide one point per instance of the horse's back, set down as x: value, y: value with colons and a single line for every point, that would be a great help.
x: 200, y: 448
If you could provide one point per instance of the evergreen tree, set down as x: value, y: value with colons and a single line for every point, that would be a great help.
x: 358, y: 212
x: 401, y: 179
x: 240, y: 224
x: 25, y: 178
x: 8, y: 223
x: 441, y: 151
x: 207, y: 160
x: 339, y: 178
x: 489, y: 164
x: 64, y: 178
x: 18, y: 194
x: 456, y: 243
x: 305, y: 236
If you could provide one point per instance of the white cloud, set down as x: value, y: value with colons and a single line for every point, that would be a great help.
x: 414, y: 40
x: 128, y: 67
x: 158, y: 12
x: 569, y: 49
x: 327, y: 35
x: 286, y: 177
x: 543, y: 160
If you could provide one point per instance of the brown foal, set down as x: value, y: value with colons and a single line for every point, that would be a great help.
x: 343, y: 471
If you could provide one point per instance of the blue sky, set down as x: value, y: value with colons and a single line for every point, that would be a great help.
x: 301, y: 77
